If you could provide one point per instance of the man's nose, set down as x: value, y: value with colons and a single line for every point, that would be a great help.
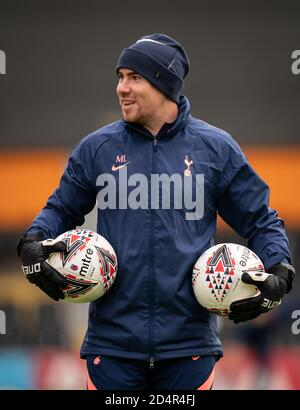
x: 123, y: 87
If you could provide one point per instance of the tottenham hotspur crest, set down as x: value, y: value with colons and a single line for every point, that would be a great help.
x: 188, y: 163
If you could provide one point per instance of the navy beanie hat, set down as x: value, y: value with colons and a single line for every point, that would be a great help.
x: 159, y: 59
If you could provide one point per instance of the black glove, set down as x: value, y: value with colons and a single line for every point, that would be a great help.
x: 33, y: 254
x: 272, y: 286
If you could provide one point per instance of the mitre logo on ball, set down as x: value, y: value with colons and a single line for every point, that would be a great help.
x: 89, y: 264
x: 217, y: 276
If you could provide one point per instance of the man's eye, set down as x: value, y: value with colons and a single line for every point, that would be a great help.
x: 136, y: 77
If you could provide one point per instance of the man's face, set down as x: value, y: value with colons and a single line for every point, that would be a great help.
x: 140, y: 102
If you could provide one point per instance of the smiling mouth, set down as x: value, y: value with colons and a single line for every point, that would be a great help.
x: 127, y: 103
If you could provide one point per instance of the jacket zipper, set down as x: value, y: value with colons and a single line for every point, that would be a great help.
x: 151, y: 264
x: 151, y: 364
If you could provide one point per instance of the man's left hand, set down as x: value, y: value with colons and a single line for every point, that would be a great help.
x: 272, y: 288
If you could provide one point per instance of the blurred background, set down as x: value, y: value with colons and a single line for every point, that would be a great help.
x: 57, y: 84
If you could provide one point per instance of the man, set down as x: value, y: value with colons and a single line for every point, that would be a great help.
x: 160, y: 177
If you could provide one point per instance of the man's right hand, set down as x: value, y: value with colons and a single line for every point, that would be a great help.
x: 33, y: 254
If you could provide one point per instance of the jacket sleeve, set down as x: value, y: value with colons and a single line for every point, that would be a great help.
x: 244, y: 204
x: 74, y: 198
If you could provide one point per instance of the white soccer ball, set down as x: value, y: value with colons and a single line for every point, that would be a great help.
x: 89, y: 264
x: 217, y: 276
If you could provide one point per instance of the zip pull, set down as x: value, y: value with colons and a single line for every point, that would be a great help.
x: 151, y: 364
x: 155, y: 144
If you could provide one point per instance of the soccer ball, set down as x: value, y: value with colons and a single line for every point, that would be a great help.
x: 89, y: 264
x: 217, y: 276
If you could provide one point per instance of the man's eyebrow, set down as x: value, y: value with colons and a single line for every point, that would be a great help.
x: 130, y: 74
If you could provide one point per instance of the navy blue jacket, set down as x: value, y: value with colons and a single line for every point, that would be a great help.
x: 151, y: 311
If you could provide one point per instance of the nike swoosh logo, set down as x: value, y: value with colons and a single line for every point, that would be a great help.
x: 114, y: 168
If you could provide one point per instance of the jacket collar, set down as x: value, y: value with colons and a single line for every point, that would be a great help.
x: 167, y: 130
